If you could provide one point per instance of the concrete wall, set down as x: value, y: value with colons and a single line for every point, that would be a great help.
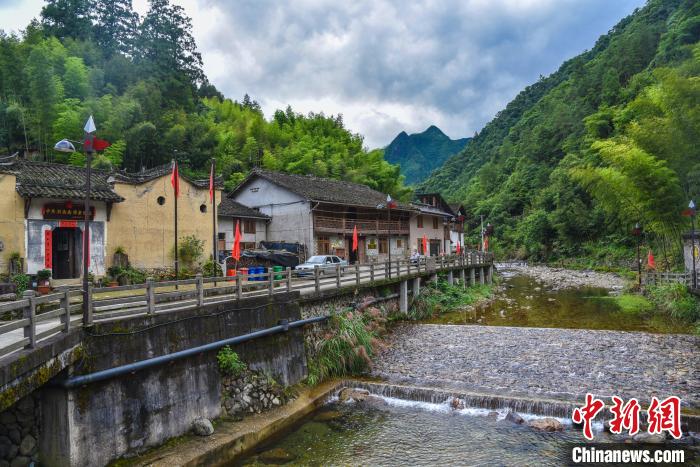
x: 687, y: 253
x: 432, y: 234
x: 291, y: 214
x: 145, y: 229
x: 11, y: 221
x: 103, y: 421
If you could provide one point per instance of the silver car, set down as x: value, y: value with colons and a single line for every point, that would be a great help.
x: 326, y: 263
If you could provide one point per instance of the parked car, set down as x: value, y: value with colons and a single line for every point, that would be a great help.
x: 325, y: 263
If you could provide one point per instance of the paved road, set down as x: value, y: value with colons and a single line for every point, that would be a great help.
x: 549, y: 363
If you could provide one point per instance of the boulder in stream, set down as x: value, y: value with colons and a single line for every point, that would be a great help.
x: 353, y: 394
x: 547, y: 424
x: 202, y: 427
x: 515, y: 418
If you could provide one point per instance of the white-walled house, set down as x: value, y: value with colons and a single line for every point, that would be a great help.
x: 321, y: 214
x: 252, y: 224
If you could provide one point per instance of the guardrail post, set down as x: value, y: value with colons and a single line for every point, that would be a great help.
x: 371, y: 272
x: 150, y: 296
x: 87, y: 319
x: 317, y: 279
x: 357, y: 274
x: 239, y: 286
x: 270, y: 281
x: 337, y: 275
x: 30, y: 314
x: 289, y: 279
x: 200, y: 289
x: 65, y: 304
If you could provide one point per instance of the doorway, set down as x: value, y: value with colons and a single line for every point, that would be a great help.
x: 65, y: 255
x: 434, y: 247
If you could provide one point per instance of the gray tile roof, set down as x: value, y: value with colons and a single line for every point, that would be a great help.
x: 230, y: 208
x: 146, y: 175
x: 325, y: 189
x: 48, y: 180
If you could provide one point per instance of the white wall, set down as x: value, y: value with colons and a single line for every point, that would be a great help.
x: 291, y: 214
x: 227, y: 225
x: 427, y: 230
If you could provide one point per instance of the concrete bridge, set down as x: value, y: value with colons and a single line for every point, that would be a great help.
x: 139, y: 365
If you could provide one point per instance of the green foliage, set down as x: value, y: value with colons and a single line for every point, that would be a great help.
x: 211, y: 269
x: 608, y: 140
x: 190, y: 250
x: 21, y: 282
x: 443, y: 297
x: 126, y: 276
x: 43, y: 274
x: 675, y: 300
x: 631, y: 303
x: 230, y: 363
x: 346, y: 349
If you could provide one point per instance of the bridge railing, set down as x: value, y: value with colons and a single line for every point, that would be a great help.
x: 34, y: 318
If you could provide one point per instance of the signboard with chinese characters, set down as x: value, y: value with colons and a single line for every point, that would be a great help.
x: 67, y: 211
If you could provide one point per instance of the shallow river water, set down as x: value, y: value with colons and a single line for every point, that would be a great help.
x: 413, y: 433
x: 527, y: 302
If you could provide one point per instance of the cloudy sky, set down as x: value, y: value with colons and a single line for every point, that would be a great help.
x: 386, y: 65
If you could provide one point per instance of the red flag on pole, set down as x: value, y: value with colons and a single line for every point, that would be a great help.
x: 459, y: 248
x: 236, y: 252
x: 354, y: 238
x: 486, y: 243
x: 425, y: 245
x: 651, y: 263
x: 175, y: 179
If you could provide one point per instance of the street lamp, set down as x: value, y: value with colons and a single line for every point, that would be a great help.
x: 691, y: 207
x: 67, y: 146
x: 389, y: 204
x: 637, y: 232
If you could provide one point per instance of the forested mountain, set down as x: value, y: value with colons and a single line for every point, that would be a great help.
x: 608, y: 140
x: 421, y: 153
x: 142, y: 79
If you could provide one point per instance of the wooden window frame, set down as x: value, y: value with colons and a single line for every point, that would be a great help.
x: 419, y: 221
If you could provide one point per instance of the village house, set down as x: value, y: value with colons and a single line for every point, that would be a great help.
x: 41, y: 217
x: 252, y: 224
x: 439, y: 222
x: 321, y: 214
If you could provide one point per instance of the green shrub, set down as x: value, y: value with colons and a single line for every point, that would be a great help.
x: 21, y: 282
x: 230, y: 363
x: 346, y: 349
x: 43, y: 274
x: 189, y: 249
x: 676, y: 300
x: 212, y: 269
x: 443, y: 297
x: 631, y: 303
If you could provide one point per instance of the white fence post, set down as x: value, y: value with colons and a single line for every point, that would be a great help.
x: 30, y: 314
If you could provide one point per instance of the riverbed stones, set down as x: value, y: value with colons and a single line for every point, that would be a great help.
x: 559, y: 278
x: 202, y: 427
x: 559, y: 364
x: 546, y: 424
x: 353, y: 395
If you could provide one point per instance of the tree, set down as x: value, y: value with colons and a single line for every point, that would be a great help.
x: 67, y: 18
x: 116, y: 25
x: 76, y: 81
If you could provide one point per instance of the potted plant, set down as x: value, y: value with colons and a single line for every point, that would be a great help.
x: 113, y: 275
x: 43, y: 279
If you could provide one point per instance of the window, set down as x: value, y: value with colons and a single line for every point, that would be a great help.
x: 419, y: 220
x: 323, y: 245
x: 202, y: 208
x: 161, y: 200
x: 222, y: 235
x: 436, y: 223
x: 249, y: 226
x: 383, y: 246
x: 247, y: 245
x: 399, y: 243
x: 336, y: 259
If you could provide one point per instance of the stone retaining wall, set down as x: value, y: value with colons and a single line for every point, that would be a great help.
x: 19, y: 432
x: 250, y: 392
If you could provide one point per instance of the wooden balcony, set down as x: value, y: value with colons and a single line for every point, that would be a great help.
x: 364, y: 226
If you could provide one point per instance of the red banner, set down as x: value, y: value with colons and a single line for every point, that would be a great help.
x: 48, y: 249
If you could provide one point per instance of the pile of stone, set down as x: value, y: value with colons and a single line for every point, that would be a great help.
x: 19, y: 433
x: 251, y: 392
x: 559, y: 278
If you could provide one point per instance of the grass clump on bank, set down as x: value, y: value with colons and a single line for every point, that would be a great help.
x: 631, y: 303
x: 348, y: 345
x: 443, y: 297
x: 676, y: 300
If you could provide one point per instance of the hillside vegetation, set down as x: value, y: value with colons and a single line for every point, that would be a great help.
x: 142, y: 79
x: 608, y: 140
x: 420, y: 153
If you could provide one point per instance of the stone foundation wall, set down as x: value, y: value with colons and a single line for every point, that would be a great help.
x: 19, y: 432
x: 250, y: 392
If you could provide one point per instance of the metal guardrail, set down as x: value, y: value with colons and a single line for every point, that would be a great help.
x: 43, y: 316
x: 654, y: 278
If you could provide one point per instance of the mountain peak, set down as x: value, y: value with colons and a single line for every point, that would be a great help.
x: 434, y: 129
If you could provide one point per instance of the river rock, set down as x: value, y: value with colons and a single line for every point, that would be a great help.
x: 327, y: 415
x: 202, y: 427
x: 276, y: 456
x: 456, y: 403
x: 546, y: 424
x: 515, y: 418
x: 649, y: 438
x: 353, y: 394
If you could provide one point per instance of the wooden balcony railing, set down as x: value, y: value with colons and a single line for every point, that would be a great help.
x: 365, y: 226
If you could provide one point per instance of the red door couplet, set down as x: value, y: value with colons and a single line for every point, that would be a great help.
x: 48, y: 249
